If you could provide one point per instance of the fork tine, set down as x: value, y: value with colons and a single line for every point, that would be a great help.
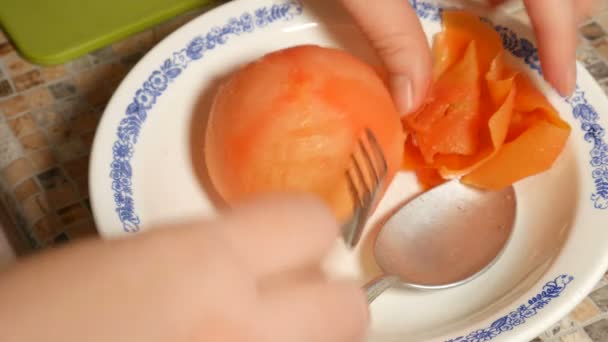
x: 367, y: 189
x: 378, y: 152
x: 370, y: 166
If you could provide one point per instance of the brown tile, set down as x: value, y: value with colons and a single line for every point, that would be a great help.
x: 71, y: 149
x: 592, y: 31
x: 585, y: 311
x: 83, y: 186
x: 61, y: 239
x: 35, y: 207
x: 103, y: 55
x: 34, y: 141
x: 5, y: 88
x: 26, y: 189
x: 63, y: 89
x: 15, y: 65
x: 87, y: 139
x: 28, y: 80
x: 47, y: 228
x: 587, y: 54
x: 100, y: 96
x: 40, y: 97
x: 77, y: 168
x: 62, y: 195
x: 129, y: 61
x: 576, y: 336
x: 47, y: 117
x: 22, y: 125
x: 60, y: 133
x: 598, y: 70
x: 600, y: 298
x: 6, y: 48
x: 68, y: 108
x: 10, y: 148
x: 52, y: 178
x: 598, y: 331
x: 85, y: 229
x: 53, y: 73
x: 43, y: 160
x: 14, y: 105
x: 85, y: 122
x: 73, y: 213
x: 601, y: 46
x: 140, y: 42
x: 18, y: 170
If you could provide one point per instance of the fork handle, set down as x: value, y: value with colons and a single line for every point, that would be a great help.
x: 377, y: 286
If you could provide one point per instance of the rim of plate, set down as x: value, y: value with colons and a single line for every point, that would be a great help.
x: 137, y: 92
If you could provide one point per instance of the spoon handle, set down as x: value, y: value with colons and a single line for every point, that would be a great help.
x: 377, y: 286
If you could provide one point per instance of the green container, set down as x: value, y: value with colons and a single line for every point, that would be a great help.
x: 51, y: 32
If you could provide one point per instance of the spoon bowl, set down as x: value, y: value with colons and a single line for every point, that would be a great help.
x: 443, y: 238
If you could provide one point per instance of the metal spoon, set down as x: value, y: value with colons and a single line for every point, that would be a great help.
x: 443, y: 238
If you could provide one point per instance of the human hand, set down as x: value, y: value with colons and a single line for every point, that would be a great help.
x: 253, y: 275
x: 395, y: 32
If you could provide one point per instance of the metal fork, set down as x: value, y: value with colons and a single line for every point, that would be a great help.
x: 365, y: 180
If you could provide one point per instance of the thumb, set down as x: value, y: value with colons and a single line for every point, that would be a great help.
x: 395, y: 32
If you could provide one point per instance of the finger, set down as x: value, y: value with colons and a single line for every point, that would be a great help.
x: 279, y: 232
x: 555, y: 29
x: 395, y: 32
x: 294, y: 277
x: 320, y: 312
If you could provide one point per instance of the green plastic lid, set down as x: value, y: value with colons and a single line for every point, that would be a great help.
x: 55, y: 31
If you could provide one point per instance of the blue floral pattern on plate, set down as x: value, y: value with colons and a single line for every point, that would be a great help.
x: 158, y: 82
x: 517, y: 317
x: 145, y: 98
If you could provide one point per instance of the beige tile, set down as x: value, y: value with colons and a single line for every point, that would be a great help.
x: 47, y: 117
x: 26, y: 189
x: 39, y: 98
x: 22, y: 125
x: 15, y: 65
x: 28, y: 80
x: 43, y: 160
x: 54, y: 73
x: 14, y: 105
x: 34, y: 141
x: 62, y: 195
x: 35, y: 207
x: 18, y: 170
x: 598, y: 331
x: 577, y: 336
x: 3, y: 38
x: 585, y: 311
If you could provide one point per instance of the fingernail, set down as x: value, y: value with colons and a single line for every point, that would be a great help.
x: 403, y: 93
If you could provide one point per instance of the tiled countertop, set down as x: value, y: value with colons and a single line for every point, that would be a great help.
x: 48, y: 116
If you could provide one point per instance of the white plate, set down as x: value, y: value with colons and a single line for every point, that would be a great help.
x: 146, y: 169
